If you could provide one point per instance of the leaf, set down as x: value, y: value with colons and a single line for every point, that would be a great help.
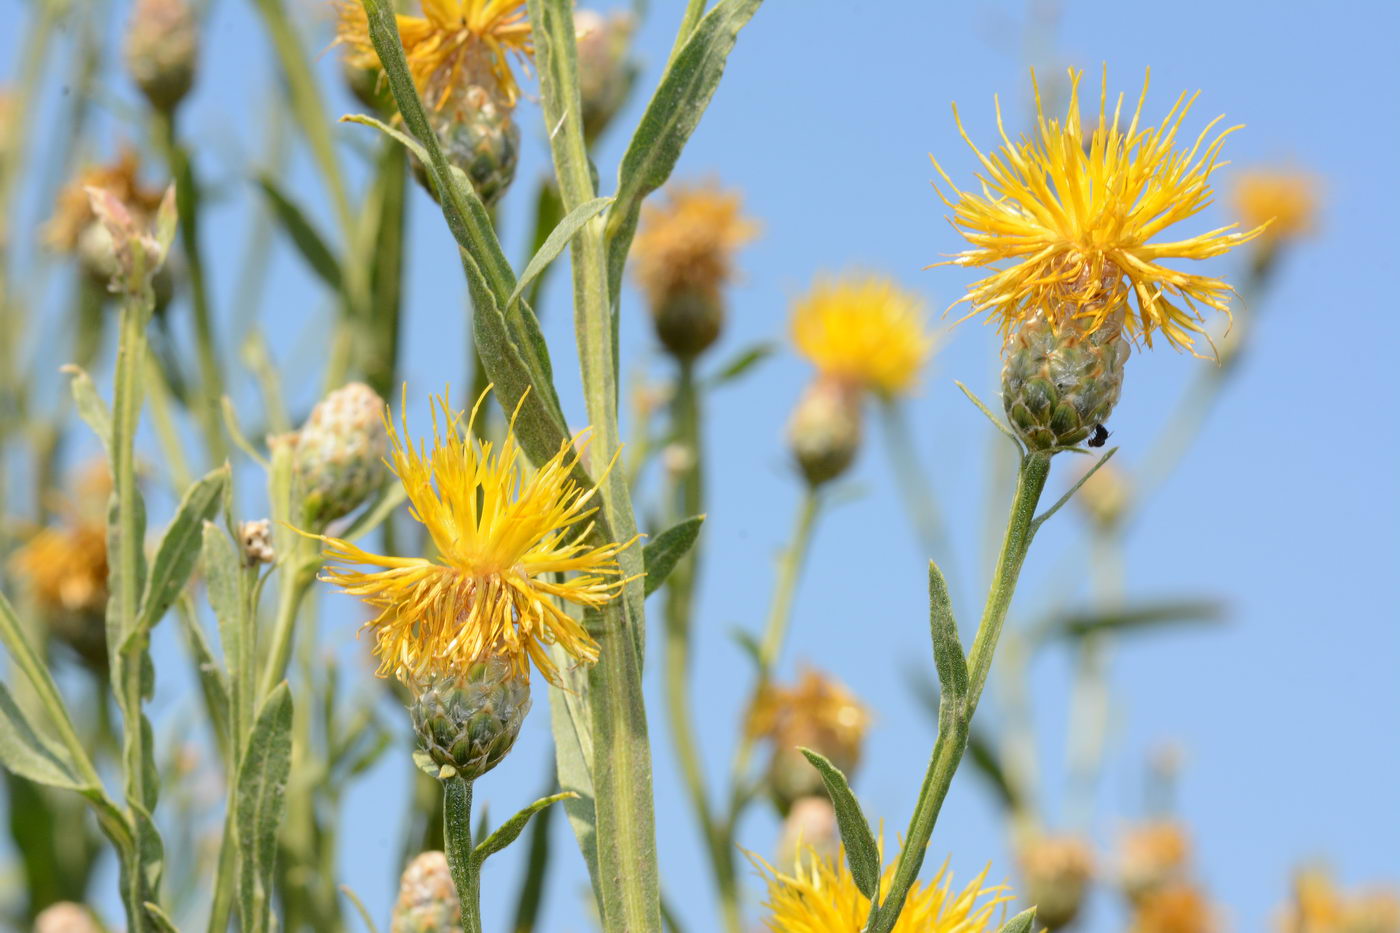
x: 304, y: 235
x: 554, y: 244
x: 742, y: 362
x: 948, y: 655
x: 996, y: 422
x: 178, y: 551
x: 511, y: 829
x: 213, y: 682
x: 360, y: 907
x: 862, y: 852
x: 162, y: 922
x: 983, y: 759
x: 24, y: 752
x: 1059, y: 503
x: 1024, y: 922
x: 260, y: 803
x: 91, y: 408
x: 221, y: 571
x: 391, y: 496
x: 573, y: 750
x: 670, y: 118
x: 1134, y: 618
x: 663, y: 552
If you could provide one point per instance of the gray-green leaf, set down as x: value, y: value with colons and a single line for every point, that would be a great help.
x: 948, y: 654
x: 25, y: 752
x: 261, y: 800
x: 1023, y: 922
x: 663, y: 552
x: 554, y: 244
x: 91, y: 408
x: 862, y: 852
x: 511, y: 829
x: 308, y: 241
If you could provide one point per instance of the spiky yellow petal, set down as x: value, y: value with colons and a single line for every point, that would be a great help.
x: 453, y: 44
x: 1068, y: 220
x: 505, y: 537
x: 865, y: 330
x: 820, y: 896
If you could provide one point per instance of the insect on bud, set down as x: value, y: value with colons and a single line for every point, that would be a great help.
x: 467, y: 722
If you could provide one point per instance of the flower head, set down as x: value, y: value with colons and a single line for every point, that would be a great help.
x: 453, y: 45
x: 1177, y: 908
x: 504, y: 536
x: 820, y: 896
x: 1319, y: 906
x: 73, y: 213
x: 817, y: 713
x: 1152, y: 855
x: 864, y: 330
x: 1285, y: 201
x: 1068, y: 220
x: 65, y: 568
x: 687, y: 244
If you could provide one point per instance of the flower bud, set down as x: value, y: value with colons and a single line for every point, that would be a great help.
x: 1057, y: 383
x: 255, y: 537
x: 1105, y: 496
x: 817, y: 713
x: 1057, y: 872
x: 428, y: 900
x: 825, y: 429
x: 810, y: 823
x: 479, y: 135
x: 65, y: 917
x: 338, y: 460
x: 605, y: 71
x: 162, y: 45
x: 64, y: 571
x: 1154, y: 855
x: 688, y: 321
x: 467, y: 722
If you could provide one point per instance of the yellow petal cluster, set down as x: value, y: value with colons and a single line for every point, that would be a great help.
x: 455, y: 43
x: 65, y: 568
x: 505, y: 538
x: 1319, y: 906
x: 863, y: 330
x: 817, y: 712
x: 820, y: 896
x: 687, y: 242
x: 1071, y: 222
x: 1284, y: 200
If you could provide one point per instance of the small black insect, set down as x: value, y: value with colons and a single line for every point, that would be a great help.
x: 1099, y: 436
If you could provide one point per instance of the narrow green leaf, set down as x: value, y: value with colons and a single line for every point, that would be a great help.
x: 360, y: 908
x: 1024, y: 922
x: 862, y: 852
x: 573, y: 751
x: 213, y: 683
x: 91, y: 408
x: 25, y: 752
x: 511, y: 829
x: 663, y: 552
x: 996, y: 422
x: 742, y: 362
x: 1059, y: 503
x: 162, y: 921
x: 390, y: 498
x: 983, y: 758
x: 302, y: 233
x: 670, y: 118
x: 948, y: 654
x: 220, y: 565
x: 554, y: 244
x: 235, y: 433
x: 178, y: 550
x: 1135, y: 618
x: 261, y: 801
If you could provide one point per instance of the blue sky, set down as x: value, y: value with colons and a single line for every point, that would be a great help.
x: 1285, y: 508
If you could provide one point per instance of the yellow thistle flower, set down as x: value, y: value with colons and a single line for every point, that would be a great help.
x: 1073, y: 216
x: 1318, y: 906
x: 864, y: 330
x: 1177, y: 908
x: 688, y: 243
x: 502, y: 533
x: 1153, y: 854
x: 817, y: 713
x: 73, y: 210
x: 66, y: 568
x: 454, y: 44
x: 1285, y: 200
x: 820, y: 896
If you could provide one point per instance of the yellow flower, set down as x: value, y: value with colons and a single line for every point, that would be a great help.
x: 66, y: 568
x: 1177, y: 908
x: 1285, y: 200
x: 454, y: 44
x: 820, y: 896
x: 1067, y: 221
x: 503, y: 536
x: 1153, y: 855
x: 1318, y: 906
x: 73, y: 210
x: 863, y: 330
x: 687, y: 244
x: 818, y: 712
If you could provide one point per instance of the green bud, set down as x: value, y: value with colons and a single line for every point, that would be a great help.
x: 1057, y: 386
x: 466, y: 723
x: 338, y: 459
x: 162, y: 46
x: 605, y: 71
x: 428, y: 900
x: 825, y: 429
x: 688, y: 321
x: 479, y: 135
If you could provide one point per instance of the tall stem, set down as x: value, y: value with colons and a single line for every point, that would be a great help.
x: 457, y: 833
x: 914, y: 485
x: 300, y: 573
x: 954, y: 723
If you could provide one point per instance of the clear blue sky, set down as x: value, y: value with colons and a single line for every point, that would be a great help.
x: 1285, y: 508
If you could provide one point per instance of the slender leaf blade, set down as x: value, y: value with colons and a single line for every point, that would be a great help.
x: 1024, y: 922
x: 663, y: 552
x: 554, y: 244
x: 260, y: 804
x: 25, y: 752
x: 862, y: 852
x: 948, y: 654
x: 511, y: 829
x: 303, y: 233
x: 179, y: 549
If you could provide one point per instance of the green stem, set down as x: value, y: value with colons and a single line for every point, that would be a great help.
x: 457, y: 832
x: 680, y: 605
x: 914, y: 484
x: 954, y: 723
x: 694, y: 9
x: 301, y: 573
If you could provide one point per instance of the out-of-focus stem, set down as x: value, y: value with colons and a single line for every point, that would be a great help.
x: 913, y: 482
x: 954, y: 723
x: 300, y: 574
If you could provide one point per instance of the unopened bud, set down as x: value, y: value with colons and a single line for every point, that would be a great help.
x: 1154, y: 856
x: 467, y: 722
x: 1057, y: 872
x: 825, y: 429
x: 479, y: 135
x: 605, y: 71
x: 810, y: 824
x: 428, y: 901
x: 689, y: 320
x: 65, y: 917
x: 338, y: 461
x: 138, y: 245
x: 255, y: 537
x: 162, y: 45
x: 1058, y: 384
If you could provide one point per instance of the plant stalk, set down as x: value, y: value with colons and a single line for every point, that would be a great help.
x: 457, y: 832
